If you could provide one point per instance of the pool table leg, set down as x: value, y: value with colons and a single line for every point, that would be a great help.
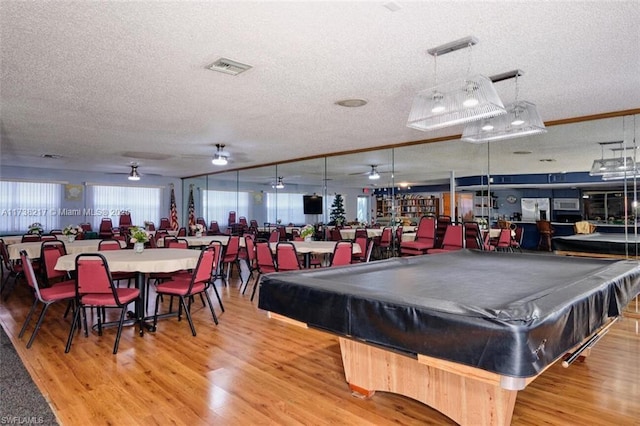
x: 467, y: 395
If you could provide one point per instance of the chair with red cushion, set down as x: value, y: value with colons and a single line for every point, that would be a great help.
x: 124, y: 223
x: 364, y: 243
x: 335, y: 234
x: 230, y: 256
x: 453, y: 240
x: 179, y: 243
x: 31, y: 238
x: 165, y: 224
x: 342, y: 253
x: 182, y: 232
x: 265, y: 262
x: 50, y: 251
x: 473, y: 236
x: 274, y: 236
x: 425, y: 238
x: 516, y: 241
x: 384, y: 245
x: 59, y: 292
x: 504, y: 240
x: 114, y: 244
x: 214, y: 228
x: 95, y: 288
x: 232, y: 218
x: 251, y: 259
x: 287, y: 257
x: 14, y: 270
x: 184, y: 287
x: 106, y: 228
x: 442, y: 222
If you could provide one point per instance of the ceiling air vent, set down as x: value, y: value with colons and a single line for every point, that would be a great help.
x: 228, y: 66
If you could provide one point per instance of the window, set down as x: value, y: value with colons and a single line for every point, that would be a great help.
x: 363, y: 208
x: 286, y: 207
x: 143, y: 203
x: 216, y: 205
x: 23, y: 203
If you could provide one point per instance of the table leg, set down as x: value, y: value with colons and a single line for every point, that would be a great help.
x: 465, y: 397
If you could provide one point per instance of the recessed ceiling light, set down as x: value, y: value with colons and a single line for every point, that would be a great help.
x: 351, y: 103
x: 54, y: 156
x: 392, y: 6
x: 521, y: 152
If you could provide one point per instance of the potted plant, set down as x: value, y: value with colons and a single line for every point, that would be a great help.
x: 35, y: 228
x: 197, y: 229
x: 71, y: 232
x: 307, y: 232
x: 138, y: 238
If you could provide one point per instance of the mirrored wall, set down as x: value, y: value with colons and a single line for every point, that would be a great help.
x: 462, y: 180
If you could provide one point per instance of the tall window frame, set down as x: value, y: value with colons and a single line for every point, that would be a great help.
x: 23, y: 203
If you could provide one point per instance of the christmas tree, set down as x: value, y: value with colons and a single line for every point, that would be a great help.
x: 337, y: 210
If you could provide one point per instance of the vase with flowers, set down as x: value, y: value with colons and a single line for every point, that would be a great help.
x: 35, y: 228
x: 197, y: 229
x: 307, y: 232
x: 138, y: 237
x: 71, y: 232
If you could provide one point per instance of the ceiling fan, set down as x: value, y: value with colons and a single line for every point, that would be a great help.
x: 220, y: 157
x: 134, y: 174
x: 372, y: 174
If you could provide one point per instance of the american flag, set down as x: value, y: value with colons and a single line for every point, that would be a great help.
x: 173, y: 212
x: 192, y: 209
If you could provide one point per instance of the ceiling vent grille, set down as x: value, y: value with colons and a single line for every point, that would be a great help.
x: 228, y: 66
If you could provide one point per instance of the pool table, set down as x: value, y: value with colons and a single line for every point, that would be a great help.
x: 460, y: 331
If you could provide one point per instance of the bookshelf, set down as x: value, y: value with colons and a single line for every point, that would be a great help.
x: 412, y: 206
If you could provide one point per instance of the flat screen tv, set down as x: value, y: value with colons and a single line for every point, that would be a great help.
x: 312, y: 204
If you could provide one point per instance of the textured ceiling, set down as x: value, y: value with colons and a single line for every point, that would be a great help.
x: 106, y: 83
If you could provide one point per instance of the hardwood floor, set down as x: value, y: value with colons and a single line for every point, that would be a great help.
x: 254, y: 370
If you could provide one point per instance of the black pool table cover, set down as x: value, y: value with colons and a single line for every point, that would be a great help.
x: 509, y: 313
x: 597, y: 243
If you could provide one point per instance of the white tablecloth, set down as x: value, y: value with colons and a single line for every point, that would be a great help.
x: 150, y: 260
x: 76, y: 247
x: 318, y: 247
x: 350, y: 234
x: 204, y: 240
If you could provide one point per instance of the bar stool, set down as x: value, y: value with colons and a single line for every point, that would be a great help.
x: 546, y: 232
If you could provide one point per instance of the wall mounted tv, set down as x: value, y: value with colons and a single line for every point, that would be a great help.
x: 312, y: 204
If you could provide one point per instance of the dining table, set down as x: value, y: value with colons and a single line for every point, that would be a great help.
x: 11, y: 239
x: 33, y: 249
x: 159, y: 260
x: 307, y: 248
x: 350, y: 233
x: 203, y: 241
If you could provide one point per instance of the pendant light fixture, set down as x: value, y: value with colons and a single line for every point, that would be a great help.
x: 220, y: 157
x: 456, y: 102
x: 279, y: 183
x: 615, y: 167
x: 521, y: 119
x: 373, y: 174
x: 134, y: 175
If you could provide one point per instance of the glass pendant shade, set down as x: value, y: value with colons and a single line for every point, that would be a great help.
x: 521, y: 119
x: 612, y: 167
x: 456, y: 102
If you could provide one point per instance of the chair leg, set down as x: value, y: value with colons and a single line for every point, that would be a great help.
x: 117, y: 343
x: 255, y: 286
x: 183, y: 303
x: 38, y: 324
x: 213, y: 284
x: 28, y: 319
x: 74, y: 323
x: 213, y: 314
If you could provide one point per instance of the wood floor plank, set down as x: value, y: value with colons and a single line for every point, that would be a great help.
x: 254, y: 370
